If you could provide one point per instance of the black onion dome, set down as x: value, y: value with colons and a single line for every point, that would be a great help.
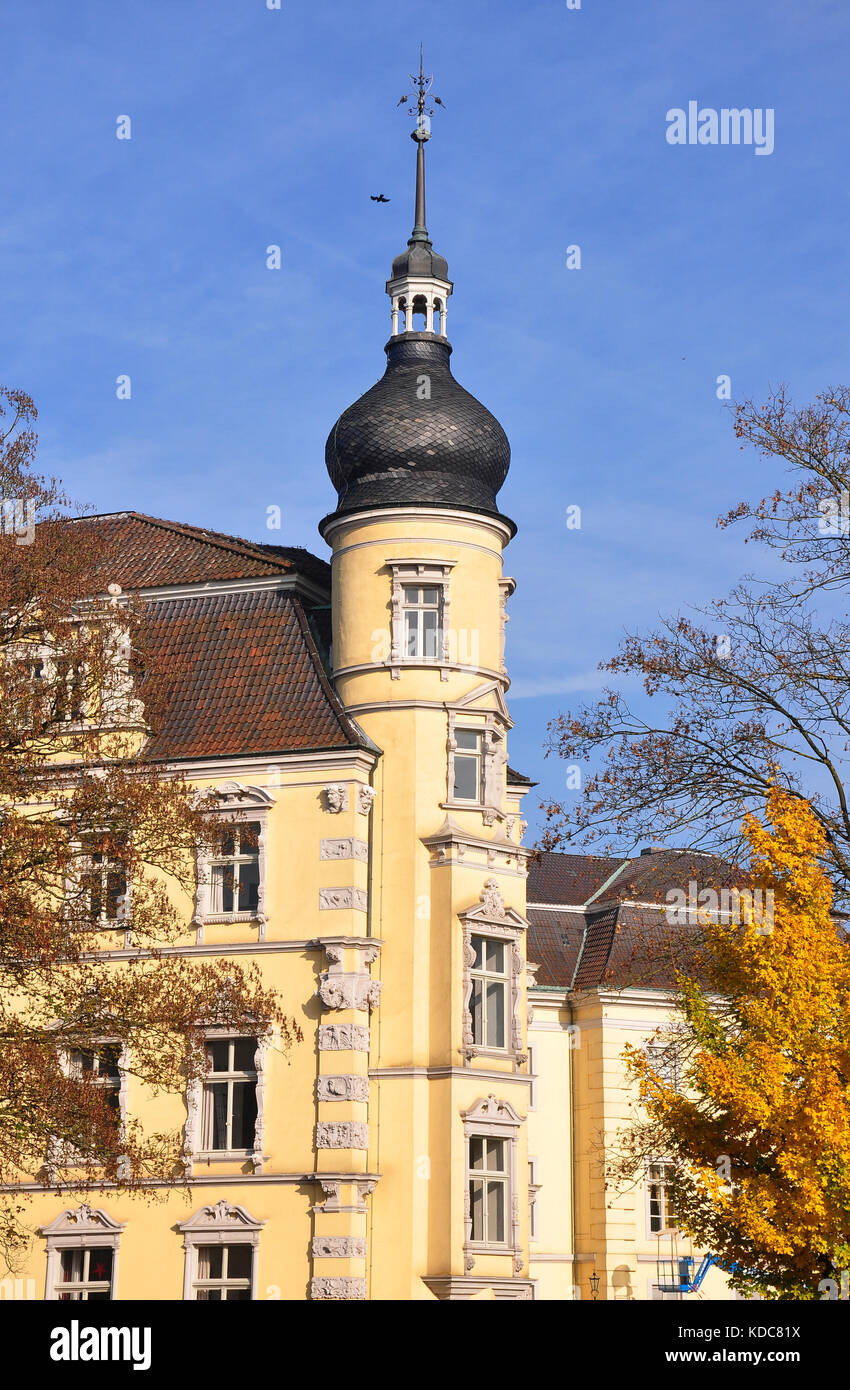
x: 420, y: 259
x: 392, y: 448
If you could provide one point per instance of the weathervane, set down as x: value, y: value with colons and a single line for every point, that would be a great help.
x: 423, y: 112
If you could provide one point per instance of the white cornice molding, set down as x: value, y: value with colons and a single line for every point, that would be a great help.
x: 217, y: 587
x: 356, y: 759
x: 475, y: 520
x: 407, y: 664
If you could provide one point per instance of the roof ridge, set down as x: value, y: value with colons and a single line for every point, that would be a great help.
x: 218, y: 539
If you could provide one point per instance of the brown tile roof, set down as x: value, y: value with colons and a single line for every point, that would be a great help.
x: 241, y: 674
x: 568, y: 879
x: 611, y: 945
x: 554, y: 942
x: 147, y: 552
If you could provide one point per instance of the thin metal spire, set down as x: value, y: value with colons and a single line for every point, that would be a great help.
x: 417, y: 103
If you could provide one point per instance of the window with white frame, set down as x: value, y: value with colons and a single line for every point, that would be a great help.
x: 468, y: 766
x: 102, y: 896
x: 221, y: 1243
x: 82, y: 1256
x: 489, y: 998
x: 85, y: 1274
x: 423, y: 635
x: 664, y: 1060
x: 660, y: 1216
x: 235, y: 872
x: 489, y: 1182
x: 223, y: 1273
x: 100, y: 1066
x: 229, y: 1102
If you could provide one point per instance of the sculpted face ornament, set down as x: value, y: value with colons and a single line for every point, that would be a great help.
x: 336, y: 797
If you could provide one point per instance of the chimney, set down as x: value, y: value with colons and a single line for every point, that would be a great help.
x: 653, y: 849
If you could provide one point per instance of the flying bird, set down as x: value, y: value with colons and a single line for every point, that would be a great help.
x: 378, y: 198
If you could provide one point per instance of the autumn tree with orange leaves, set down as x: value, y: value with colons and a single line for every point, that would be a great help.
x: 757, y: 1124
x: 752, y: 688
x: 97, y: 847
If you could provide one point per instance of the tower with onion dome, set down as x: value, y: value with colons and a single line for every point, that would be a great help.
x: 418, y: 612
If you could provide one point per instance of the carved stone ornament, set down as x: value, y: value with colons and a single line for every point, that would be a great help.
x: 348, y: 848
x: 365, y: 797
x: 343, y: 1037
x: 336, y: 797
x: 349, y: 990
x: 338, y: 1287
x: 336, y: 898
x: 342, y: 1088
x: 339, y: 1248
x: 491, y: 899
x: 342, y: 1134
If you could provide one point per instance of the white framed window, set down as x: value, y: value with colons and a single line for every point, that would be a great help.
x: 103, y: 883
x: 660, y: 1217
x: 229, y: 1105
x: 664, y: 1060
x: 489, y: 1189
x: 419, y: 627
x: 423, y: 628
x: 221, y: 1244
x: 100, y: 1064
x: 82, y: 1256
x: 468, y: 766
x: 223, y: 1273
x: 232, y: 871
x: 489, y: 1001
x: 533, y: 1189
x: 493, y: 968
x: 235, y: 872
x: 491, y: 1199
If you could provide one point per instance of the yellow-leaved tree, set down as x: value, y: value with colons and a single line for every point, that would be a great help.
x: 758, y: 1123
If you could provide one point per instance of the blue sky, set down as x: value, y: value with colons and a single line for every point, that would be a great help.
x: 253, y: 126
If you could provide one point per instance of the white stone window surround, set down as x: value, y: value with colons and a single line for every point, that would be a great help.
x: 220, y: 1224
x: 433, y: 574
x: 492, y: 1118
x: 491, y: 919
x: 192, y: 1151
x: 240, y: 804
x: 62, y: 1155
x: 82, y: 863
x: 493, y: 755
x: 77, y: 1229
x: 533, y: 1189
x: 658, y: 1181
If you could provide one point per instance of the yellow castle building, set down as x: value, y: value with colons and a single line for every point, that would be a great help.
x: 440, y: 1131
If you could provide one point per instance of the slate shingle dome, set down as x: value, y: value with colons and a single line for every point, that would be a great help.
x: 392, y: 448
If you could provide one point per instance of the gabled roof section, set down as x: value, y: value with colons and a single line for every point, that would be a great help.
x: 147, y: 552
x: 602, y: 923
x: 241, y: 675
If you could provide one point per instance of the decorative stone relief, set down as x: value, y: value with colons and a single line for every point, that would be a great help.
x: 491, y: 899
x: 335, y: 898
x: 331, y: 1191
x: 336, y: 797
x: 342, y: 1088
x: 348, y: 848
x: 342, y: 1134
x: 339, y: 1248
x: 338, y: 1287
x: 349, y: 990
x: 364, y: 1190
x: 365, y: 797
x: 343, y: 1037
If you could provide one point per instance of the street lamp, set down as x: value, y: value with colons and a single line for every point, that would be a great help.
x: 594, y: 1286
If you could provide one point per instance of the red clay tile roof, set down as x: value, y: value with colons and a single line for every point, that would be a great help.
x: 568, y: 879
x: 148, y: 552
x: 611, y: 945
x: 241, y: 674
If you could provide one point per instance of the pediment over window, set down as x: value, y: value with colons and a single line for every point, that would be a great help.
x: 491, y: 909
x: 235, y: 796
x: 483, y: 697
x: 83, y: 1221
x: 490, y: 1110
x: 222, y: 1216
